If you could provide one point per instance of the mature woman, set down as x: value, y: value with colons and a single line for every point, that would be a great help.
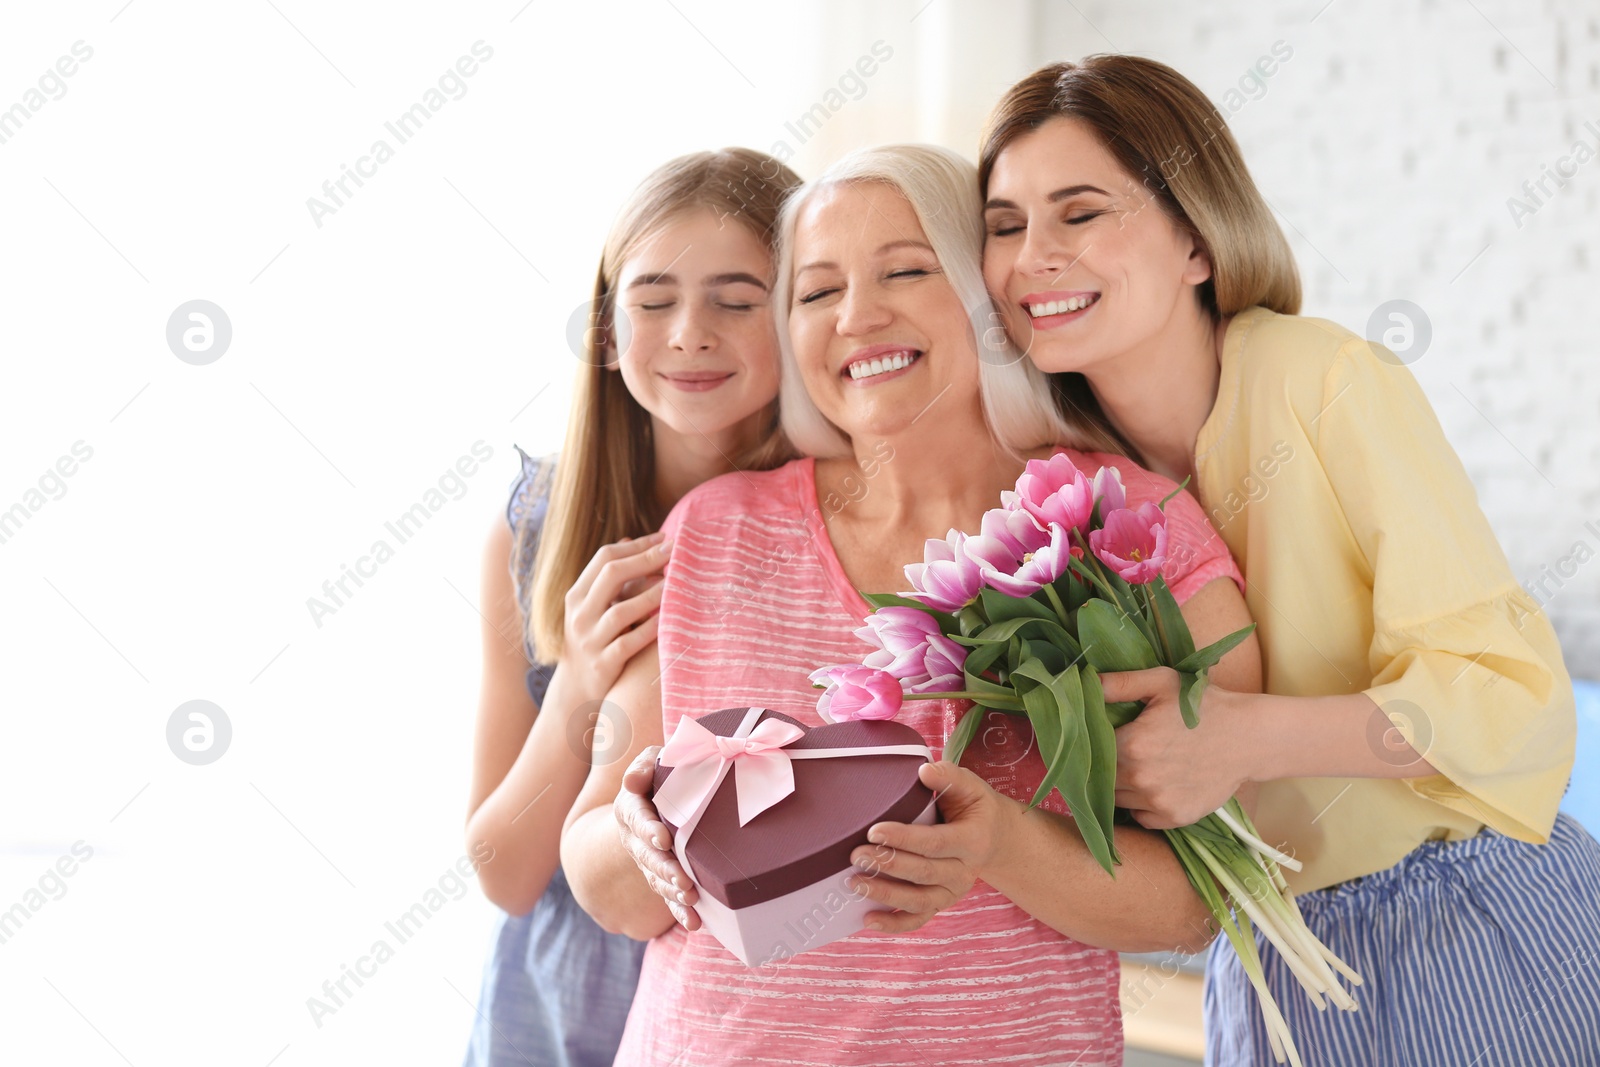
x: 1417, y: 727
x: 995, y: 940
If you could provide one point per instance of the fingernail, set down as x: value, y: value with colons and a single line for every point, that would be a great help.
x: 658, y: 535
x: 875, y: 838
x: 661, y: 842
x: 863, y: 863
x: 681, y: 898
x: 665, y: 548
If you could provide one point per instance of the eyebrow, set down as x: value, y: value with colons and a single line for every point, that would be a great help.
x: 1054, y: 198
x: 892, y: 246
x: 730, y: 278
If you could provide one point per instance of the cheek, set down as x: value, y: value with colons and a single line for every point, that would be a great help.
x: 996, y: 270
x: 810, y: 343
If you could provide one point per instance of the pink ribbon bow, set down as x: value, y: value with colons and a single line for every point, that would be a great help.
x: 763, y: 774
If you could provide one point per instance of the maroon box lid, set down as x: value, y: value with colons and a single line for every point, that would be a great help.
x: 809, y: 834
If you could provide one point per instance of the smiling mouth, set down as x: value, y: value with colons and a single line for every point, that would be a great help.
x: 1044, y: 309
x: 697, y: 381
x: 873, y: 364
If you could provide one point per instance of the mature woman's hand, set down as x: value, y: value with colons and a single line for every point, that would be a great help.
x: 649, y: 842
x: 921, y: 870
x: 1167, y: 774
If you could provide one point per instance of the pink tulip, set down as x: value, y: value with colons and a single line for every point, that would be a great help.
x: 1133, y: 542
x: 900, y: 637
x: 855, y: 691
x: 946, y: 580
x: 1053, y: 490
x: 1108, y: 490
x: 943, y: 664
x: 1016, y: 556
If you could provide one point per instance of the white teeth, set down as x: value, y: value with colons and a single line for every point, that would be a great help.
x: 868, y: 368
x: 1058, y: 307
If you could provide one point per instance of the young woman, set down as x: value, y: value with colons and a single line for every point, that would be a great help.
x: 679, y: 385
x: 995, y: 945
x: 1417, y: 728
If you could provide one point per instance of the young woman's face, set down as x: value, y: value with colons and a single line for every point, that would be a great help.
x: 879, y: 333
x: 696, y: 344
x: 1080, y: 257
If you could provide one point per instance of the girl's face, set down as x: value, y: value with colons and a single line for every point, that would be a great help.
x: 879, y: 333
x: 1080, y: 258
x: 695, y: 338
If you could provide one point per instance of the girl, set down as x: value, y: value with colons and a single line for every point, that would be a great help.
x: 680, y: 384
x: 996, y: 940
x: 1417, y: 727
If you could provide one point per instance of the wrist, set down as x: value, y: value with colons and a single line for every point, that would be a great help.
x: 1006, y: 842
x: 1248, y: 735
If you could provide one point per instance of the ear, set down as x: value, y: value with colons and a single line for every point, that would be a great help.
x: 1198, y: 267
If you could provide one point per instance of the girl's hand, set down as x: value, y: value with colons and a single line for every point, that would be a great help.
x: 921, y: 870
x: 1167, y: 774
x: 611, y: 615
x: 649, y: 842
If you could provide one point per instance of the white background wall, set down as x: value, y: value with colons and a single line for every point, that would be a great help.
x: 430, y: 312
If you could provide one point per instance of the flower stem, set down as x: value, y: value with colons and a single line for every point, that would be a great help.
x: 1060, y: 608
x: 1161, y: 626
x: 998, y: 701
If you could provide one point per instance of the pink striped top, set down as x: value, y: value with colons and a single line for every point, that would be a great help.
x: 755, y: 600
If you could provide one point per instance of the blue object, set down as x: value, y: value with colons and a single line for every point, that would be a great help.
x: 556, y: 987
x: 1476, y: 953
x: 1582, y: 800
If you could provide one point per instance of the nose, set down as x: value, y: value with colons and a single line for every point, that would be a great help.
x: 691, y: 332
x: 1045, y: 253
x: 862, y: 311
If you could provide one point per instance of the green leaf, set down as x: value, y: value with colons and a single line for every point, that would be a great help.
x: 1070, y: 774
x: 964, y: 732
x: 1101, y: 786
x: 1000, y: 607
x: 971, y: 620
x: 1053, y: 657
x: 976, y: 684
x: 1123, y: 712
x: 1179, y: 640
x: 1175, y: 492
x: 1072, y: 591
x: 1190, y: 689
x: 946, y: 621
x: 1110, y: 641
x: 1212, y: 654
x: 980, y: 659
x: 1039, y: 701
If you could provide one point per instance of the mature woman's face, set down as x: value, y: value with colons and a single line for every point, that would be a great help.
x: 879, y: 333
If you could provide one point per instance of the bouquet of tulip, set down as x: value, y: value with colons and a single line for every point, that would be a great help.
x: 1063, y: 582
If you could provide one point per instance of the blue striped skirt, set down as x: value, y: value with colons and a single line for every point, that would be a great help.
x: 1477, y: 953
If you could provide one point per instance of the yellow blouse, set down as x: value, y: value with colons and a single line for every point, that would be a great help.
x: 1370, y: 568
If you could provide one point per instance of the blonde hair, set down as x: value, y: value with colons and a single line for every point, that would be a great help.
x: 942, y: 189
x: 604, y: 485
x: 1165, y: 133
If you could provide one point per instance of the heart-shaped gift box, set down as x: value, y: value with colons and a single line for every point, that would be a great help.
x: 775, y: 886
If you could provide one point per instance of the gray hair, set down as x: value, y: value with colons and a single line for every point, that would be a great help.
x: 1019, y: 407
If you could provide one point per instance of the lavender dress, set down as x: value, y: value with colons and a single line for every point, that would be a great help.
x: 556, y: 987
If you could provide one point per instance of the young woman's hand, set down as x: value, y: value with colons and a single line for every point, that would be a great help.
x: 649, y: 842
x: 1167, y: 774
x: 921, y: 870
x: 611, y: 615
